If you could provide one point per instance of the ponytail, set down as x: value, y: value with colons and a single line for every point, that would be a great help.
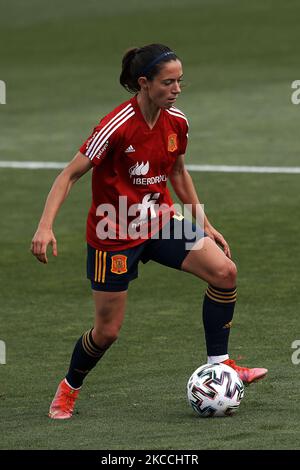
x: 126, y: 78
x: 143, y: 62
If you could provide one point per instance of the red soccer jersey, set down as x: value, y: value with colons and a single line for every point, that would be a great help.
x: 131, y: 167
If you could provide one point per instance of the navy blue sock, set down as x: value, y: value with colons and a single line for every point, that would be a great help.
x: 218, y: 308
x: 85, y: 356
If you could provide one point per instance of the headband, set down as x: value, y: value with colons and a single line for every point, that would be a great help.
x: 155, y: 61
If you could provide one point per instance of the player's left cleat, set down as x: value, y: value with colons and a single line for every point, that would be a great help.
x: 63, y: 403
x: 247, y: 375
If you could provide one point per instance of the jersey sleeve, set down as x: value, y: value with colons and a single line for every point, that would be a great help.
x: 183, y: 141
x: 99, y: 144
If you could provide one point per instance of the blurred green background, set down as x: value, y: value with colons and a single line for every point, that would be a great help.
x: 60, y: 61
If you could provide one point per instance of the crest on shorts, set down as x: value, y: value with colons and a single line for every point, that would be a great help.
x: 172, y: 143
x: 119, y: 264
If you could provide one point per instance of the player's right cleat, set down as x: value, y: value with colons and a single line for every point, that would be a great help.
x: 63, y: 403
x: 248, y: 376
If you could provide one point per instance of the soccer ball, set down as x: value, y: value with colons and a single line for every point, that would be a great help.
x: 215, y: 390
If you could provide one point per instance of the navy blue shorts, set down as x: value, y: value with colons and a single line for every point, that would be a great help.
x: 113, y: 270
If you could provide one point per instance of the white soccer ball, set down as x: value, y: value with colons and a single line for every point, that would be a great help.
x: 215, y: 390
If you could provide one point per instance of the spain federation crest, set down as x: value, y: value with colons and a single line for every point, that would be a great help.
x: 119, y: 264
x: 172, y: 143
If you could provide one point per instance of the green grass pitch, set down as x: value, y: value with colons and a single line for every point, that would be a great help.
x: 60, y: 62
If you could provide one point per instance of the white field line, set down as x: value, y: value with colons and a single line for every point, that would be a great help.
x: 201, y: 168
x: 32, y: 165
x: 245, y: 169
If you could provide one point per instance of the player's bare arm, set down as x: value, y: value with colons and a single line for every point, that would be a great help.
x: 184, y: 188
x: 58, y: 193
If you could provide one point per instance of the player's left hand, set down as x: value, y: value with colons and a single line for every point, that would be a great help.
x: 218, y: 238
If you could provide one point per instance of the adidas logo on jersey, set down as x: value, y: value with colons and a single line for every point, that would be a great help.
x: 130, y: 149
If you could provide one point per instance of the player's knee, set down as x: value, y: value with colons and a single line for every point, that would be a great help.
x: 109, y: 337
x: 106, y: 335
x: 226, y: 275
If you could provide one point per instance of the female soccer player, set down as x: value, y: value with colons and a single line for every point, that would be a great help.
x: 134, y: 151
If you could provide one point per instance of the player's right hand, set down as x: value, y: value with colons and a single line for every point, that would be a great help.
x: 40, y: 242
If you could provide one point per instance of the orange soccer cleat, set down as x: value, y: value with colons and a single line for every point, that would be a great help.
x: 63, y: 403
x: 248, y: 376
